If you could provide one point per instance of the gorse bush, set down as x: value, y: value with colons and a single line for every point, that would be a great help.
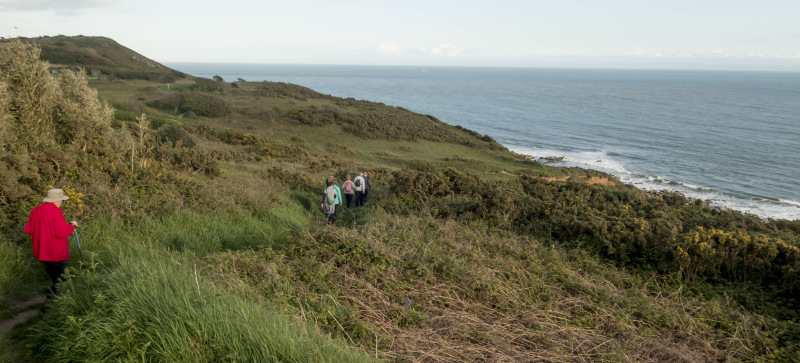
x: 281, y: 89
x: 207, y: 85
x: 176, y: 135
x: 56, y: 132
x: 255, y: 147
x: 313, y: 116
x: 204, y: 104
x: 170, y: 102
x: 620, y: 223
x: 46, y: 111
x: 737, y: 255
x: 49, y: 124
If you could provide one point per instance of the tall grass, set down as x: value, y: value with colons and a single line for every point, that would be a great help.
x: 16, y: 274
x: 160, y: 309
x: 425, y: 289
x: 194, y: 233
x: 138, y: 296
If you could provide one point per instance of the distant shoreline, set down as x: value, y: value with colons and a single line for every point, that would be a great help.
x: 554, y: 160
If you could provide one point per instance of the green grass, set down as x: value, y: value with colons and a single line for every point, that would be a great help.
x: 138, y: 294
x: 154, y: 307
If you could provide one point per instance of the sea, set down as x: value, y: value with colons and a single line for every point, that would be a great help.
x: 730, y: 138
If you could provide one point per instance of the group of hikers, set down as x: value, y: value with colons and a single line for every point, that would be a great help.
x: 357, y: 188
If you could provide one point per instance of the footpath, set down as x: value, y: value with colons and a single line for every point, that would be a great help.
x: 23, y: 311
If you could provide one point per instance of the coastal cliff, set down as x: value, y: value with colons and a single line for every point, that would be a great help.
x: 203, y: 239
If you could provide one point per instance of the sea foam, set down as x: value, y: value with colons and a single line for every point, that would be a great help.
x: 606, y: 162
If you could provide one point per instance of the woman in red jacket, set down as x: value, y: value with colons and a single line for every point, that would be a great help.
x: 49, y: 232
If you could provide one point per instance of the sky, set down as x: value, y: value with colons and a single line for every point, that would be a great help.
x: 762, y: 35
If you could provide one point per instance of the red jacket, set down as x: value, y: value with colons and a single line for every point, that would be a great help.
x: 49, y: 232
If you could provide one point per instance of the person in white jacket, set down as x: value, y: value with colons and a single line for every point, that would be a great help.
x: 361, y: 186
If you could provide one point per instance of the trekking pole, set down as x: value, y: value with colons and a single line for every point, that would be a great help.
x: 20, y: 276
x: 78, y: 241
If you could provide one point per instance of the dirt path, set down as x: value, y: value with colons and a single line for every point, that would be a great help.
x: 25, y: 312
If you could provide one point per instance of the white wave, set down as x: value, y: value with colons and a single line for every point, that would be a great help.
x: 603, y: 161
x: 790, y: 202
x: 597, y: 160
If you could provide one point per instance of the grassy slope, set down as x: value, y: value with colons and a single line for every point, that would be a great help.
x: 99, y: 53
x: 244, y: 235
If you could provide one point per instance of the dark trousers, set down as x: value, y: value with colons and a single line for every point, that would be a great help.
x: 359, y: 198
x: 54, y: 269
x: 349, y: 199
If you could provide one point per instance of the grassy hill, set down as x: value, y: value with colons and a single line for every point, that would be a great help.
x: 203, y: 238
x: 99, y: 53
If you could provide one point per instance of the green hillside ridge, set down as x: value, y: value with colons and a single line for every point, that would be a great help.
x: 99, y: 53
x: 203, y: 239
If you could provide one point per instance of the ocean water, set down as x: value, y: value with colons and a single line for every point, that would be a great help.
x: 729, y: 137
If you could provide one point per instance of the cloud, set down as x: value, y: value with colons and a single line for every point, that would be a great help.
x: 64, y: 7
x: 389, y: 48
x: 714, y: 54
x: 446, y: 50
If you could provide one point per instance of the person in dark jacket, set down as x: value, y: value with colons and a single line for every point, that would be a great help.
x: 49, y: 232
x: 360, y: 185
x: 367, y: 187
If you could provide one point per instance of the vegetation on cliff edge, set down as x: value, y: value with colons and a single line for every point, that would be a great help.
x: 203, y: 240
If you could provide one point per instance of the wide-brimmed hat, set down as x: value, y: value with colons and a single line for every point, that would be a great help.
x: 54, y: 195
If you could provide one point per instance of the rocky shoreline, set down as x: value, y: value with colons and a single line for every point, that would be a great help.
x: 660, y: 193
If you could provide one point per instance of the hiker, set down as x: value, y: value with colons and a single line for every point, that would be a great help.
x: 367, y: 187
x: 338, y: 192
x: 360, y: 185
x: 329, y: 199
x: 49, y: 232
x: 349, y: 188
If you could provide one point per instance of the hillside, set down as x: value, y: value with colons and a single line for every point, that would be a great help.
x: 99, y: 53
x: 203, y: 239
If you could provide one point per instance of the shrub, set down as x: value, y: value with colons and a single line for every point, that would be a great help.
x: 204, y: 104
x: 736, y: 255
x: 312, y: 116
x: 48, y: 124
x: 170, y: 102
x: 175, y: 135
x: 280, y: 89
x: 207, y: 85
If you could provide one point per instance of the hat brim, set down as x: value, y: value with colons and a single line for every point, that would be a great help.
x: 53, y: 200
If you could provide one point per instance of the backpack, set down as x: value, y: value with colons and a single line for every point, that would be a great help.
x: 358, y: 182
x: 330, y: 193
x: 348, y: 187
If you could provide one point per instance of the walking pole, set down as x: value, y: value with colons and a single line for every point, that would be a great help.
x: 78, y: 241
